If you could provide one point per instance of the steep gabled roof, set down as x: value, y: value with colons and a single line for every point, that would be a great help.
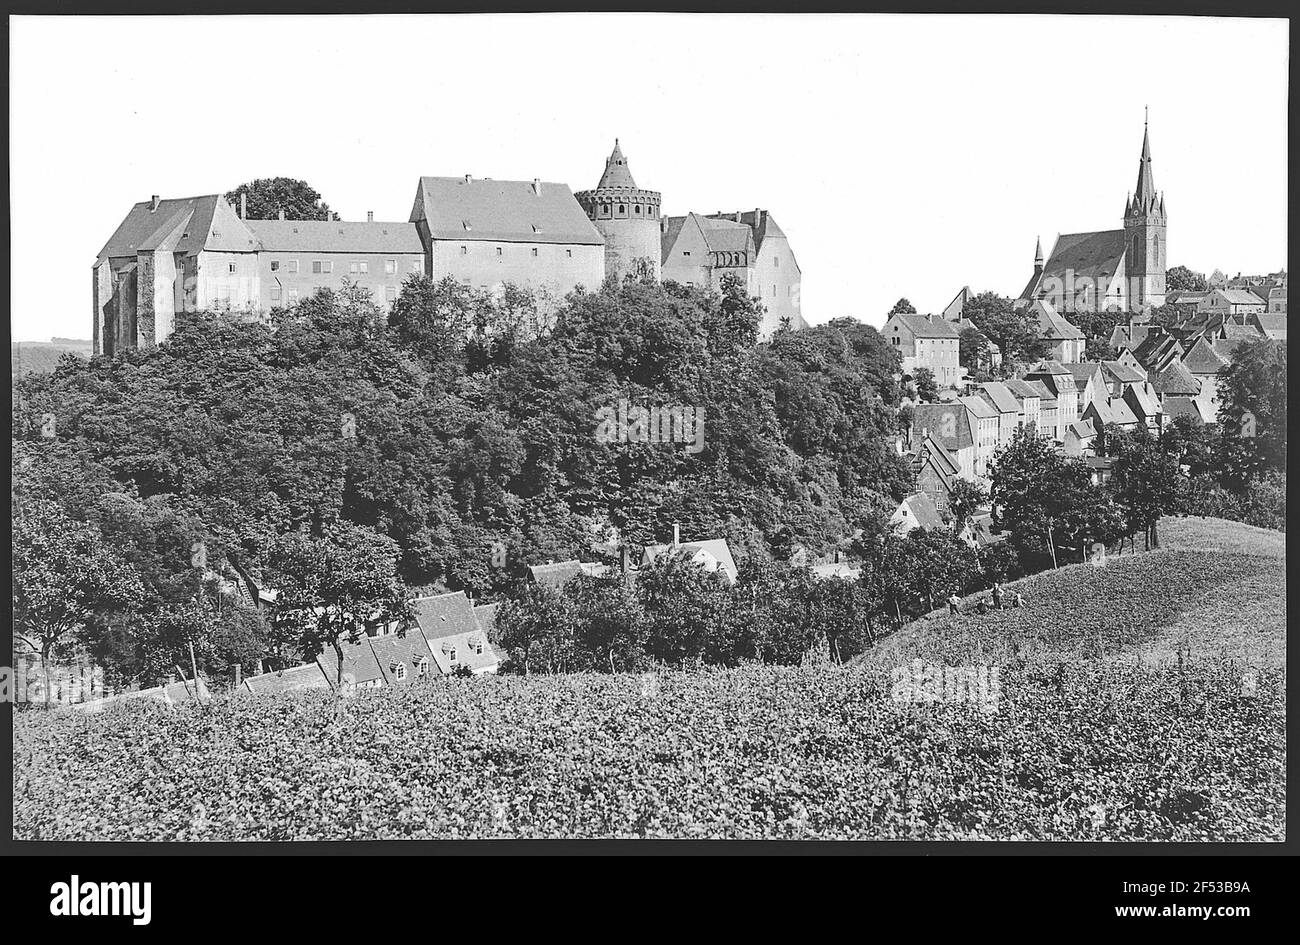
x: 1051, y: 325
x: 507, y: 211
x: 923, y: 510
x: 922, y: 327
x: 1273, y: 326
x: 1182, y: 406
x: 981, y: 408
x: 1176, y: 379
x: 1240, y: 296
x: 1000, y: 396
x: 935, y: 419
x: 359, y: 663
x: 1201, y: 358
x: 307, y: 676
x: 1083, y: 371
x: 1123, y: 373
x: 1142, y: 400
x: 1021, y: 390
x: 392, y: 649
x: 616, y: 173
x: 336, y: 236
x: 186, y: 225
x: 444, y: 615
x: 1094, y: 256
x: 1046, y: 396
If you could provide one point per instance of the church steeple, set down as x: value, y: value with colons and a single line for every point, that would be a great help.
x: 1038, y: 256
x: 1144, y: 194
x: 1144, y: 236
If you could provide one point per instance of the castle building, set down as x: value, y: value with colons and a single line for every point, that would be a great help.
x: 628, y: 219
x: 199, y: 254
x: 1109, y: 270
x: 700, y: 250
x: 533, y: 234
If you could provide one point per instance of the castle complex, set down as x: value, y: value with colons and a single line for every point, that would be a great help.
x: 1111, y: 270
x: 200, y: 254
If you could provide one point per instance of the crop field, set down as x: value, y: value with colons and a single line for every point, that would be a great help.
x: 1084, y: 735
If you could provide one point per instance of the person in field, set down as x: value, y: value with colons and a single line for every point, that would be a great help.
x: 954, y: 604
x: 997, y: 595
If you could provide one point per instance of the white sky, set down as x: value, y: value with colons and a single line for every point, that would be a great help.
x: 902, y: 155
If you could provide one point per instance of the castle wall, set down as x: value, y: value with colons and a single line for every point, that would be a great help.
x: 226, y: 281
x: 102, y: 296
x: 777, y: 281
x: 555, y: 268
x: 280, y: 285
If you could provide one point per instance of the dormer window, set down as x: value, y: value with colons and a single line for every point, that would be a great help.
x: 399, y: 671
x: 422, y: 666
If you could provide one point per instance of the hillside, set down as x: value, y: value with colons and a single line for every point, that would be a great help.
x: 1214, y: 589
x: 1069, y: 747
x: 41, y: 357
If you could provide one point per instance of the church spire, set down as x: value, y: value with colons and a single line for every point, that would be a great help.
x: 1038, y: 255
x: 1145, y: 193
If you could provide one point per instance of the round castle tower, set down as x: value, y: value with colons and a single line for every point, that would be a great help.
x: 628, y: 218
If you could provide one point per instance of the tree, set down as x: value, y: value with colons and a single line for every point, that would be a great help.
x: 1014, y: 332
x: 1253, y: 395
x: 965, y: 499
x: 903, y: 307
x: 1037, y: 490
x: 538, y: 624
x: 973, y: 351
x: 267, y: 196
x: 1180, y: 278
x: 1145, y: 482
x: 328, y: 588
x: 63, y: 578
x: 927, y: 388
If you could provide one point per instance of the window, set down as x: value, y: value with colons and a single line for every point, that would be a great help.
x: 293, y: 265
x: 275, y: 265
x: 390, y: 293
x: 354, y: 267
x: 464, y: 250
x: 451, y: 655
x: 390, y: 267
x: 230, y: 267
x: 776, y: 262
x: 478, y: 647
x: 637, y: 208
x: 569, y: 253
x: 416, y: 265
x: 622, y: 209
x: 399, y: 672
x: 322, y: 265
x: 686, y: 252
x: 498, y: 250
x: 275, y: 293
x: 422, y: 666
x: 293, y: 295
x: 534, y: 250
x: 315, y: 265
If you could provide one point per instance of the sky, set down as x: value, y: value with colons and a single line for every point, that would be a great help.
x: 902, y: 155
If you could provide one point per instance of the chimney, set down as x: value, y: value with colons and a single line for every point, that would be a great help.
x: 677, y: 535
x: 153, y: 203
x: 537, y: 186
x: 243, y: 206
x: 469, y: 178
x: 282, y: 215
x: 370, y: 216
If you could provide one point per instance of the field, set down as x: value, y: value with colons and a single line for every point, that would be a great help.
x: 1095, y: 735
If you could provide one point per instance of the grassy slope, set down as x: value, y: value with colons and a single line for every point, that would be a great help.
x: 1215, y: 589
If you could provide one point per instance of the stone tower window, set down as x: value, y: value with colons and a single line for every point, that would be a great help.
x: 622, y: 209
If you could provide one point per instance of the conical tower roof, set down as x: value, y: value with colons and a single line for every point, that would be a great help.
x: 616, y: 172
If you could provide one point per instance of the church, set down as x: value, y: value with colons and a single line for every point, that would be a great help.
x: 1110, y: 270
